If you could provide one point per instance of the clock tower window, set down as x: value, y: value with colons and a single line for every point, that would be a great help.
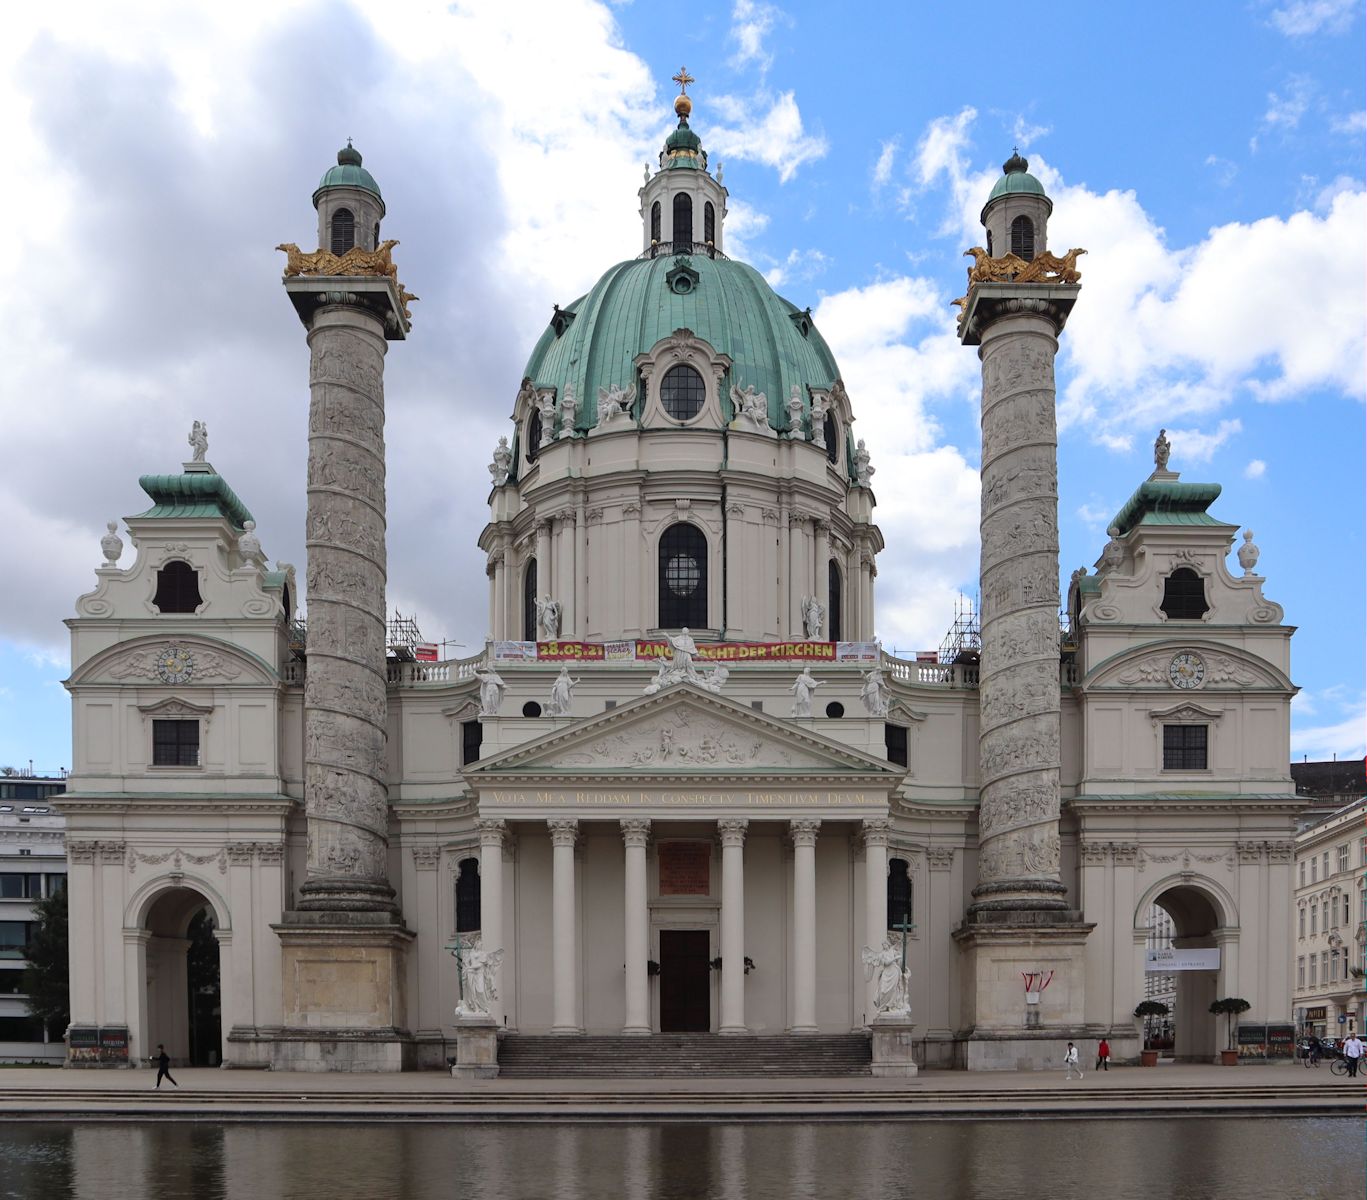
x: 1184, y: 596
x: 175, y: 743
x: 177, y: 588
x: 1185, y: 747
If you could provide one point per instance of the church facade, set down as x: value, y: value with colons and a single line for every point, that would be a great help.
x: 682, y: 788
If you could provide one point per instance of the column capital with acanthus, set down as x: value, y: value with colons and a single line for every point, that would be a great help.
x: 635, y: 831
x: 564, y: 832
x: 732, y: 830
x: 803, y: 831
x: 492, y: 832
x: 874, y: 832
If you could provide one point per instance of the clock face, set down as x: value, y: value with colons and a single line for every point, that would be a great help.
x: 175, y: 664
x: 1186, y: 670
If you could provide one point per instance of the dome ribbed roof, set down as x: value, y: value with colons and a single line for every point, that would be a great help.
x: 731, y: 307
x: 348, y: 173
x: 1017, y: 180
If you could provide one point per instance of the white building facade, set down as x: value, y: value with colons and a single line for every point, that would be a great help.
x: 733, y: 791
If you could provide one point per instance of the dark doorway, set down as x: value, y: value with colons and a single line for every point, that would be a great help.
x: 685, y: 988
x: 202, y: 986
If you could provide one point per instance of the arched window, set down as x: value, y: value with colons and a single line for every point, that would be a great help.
x: 830, y: 434
x: 375, y: 237
x: 709, y: 223
x: 899, y: 892
x: 834, y: 624
x: 529, y: 601
x: 682, y: 392
x: 287, y: 601
x: 467, y: 896
x: 655, y: 221
x: 989, y: 243
x: 343, y: 231
x: 177, y: 588
x: 533, y: 436
x: 683, y: 223
x: 1023, y: 238
x: 1184, y: 596
x: 683, y: 577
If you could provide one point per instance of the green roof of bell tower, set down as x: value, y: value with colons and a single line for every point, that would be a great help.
x: 1016, y: 180
x: 348, y: 173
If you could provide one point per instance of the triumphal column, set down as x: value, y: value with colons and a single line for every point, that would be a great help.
x: 344, y: 942
x: 1018, y: 299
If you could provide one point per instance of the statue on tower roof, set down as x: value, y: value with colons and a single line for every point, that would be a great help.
x: 1162, y: 449
x: 199, y: 441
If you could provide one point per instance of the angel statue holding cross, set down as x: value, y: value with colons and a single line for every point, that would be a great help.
x: 478, y: 987
x: 892, y: 998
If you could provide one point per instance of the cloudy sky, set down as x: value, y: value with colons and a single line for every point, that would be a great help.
x: 1209, y: 157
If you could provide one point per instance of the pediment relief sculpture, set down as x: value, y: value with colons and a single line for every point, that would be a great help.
x: 684, y: 740
x: 172, y: 661
x: 1217, y: 671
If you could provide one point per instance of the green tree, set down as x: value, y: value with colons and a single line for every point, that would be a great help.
x: 1230, y: 1007
x: 46, y: 975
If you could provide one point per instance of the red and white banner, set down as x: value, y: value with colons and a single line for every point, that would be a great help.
x: 649, y: 651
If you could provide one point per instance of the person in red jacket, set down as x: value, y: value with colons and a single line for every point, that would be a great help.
x: 1103, y: 1055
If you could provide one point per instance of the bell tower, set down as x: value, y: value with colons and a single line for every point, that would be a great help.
x: 683, y: 208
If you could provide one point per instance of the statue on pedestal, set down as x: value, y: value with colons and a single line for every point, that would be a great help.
x: 893, y: 995
x: 562, y: 694
x: 502, y: 466
x: 491, y: 687
x: 863, y: 472
x: 548, y: 617
x: 199, y: 441
x: 803, y: 688
x: 1162, y: 448
x: 874, y: 693
x: 752, y: 405
x: 478, y: 983
x: 813, y: 615
x: 614, y: 402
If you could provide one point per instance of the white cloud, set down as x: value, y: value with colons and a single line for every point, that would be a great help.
x: 1353, y: 124
x: 764, y: 129
x: 1197, y: 446
x: 1303, y: 17
x: 751, y: 23
x: 1284, y: 109
x: 1225, y: 170
x: 1095, y: 516
x: 882, y: 170
x: 800, y: 266
x: 1345, y: 737
x: 1256, y: 469
x: 1023, y: 133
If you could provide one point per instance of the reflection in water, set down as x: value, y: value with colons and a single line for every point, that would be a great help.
x: 1191, y: 1159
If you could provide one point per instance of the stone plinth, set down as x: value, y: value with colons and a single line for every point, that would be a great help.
x: 476, y: 1048
x: 893, y: 1047
x: 345, y: 1006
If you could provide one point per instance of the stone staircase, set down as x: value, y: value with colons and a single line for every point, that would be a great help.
x: 697, y: 1055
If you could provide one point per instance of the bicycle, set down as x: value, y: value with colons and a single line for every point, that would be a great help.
x: 1339, y: 1066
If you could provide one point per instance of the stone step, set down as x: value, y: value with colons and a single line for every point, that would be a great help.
x: 699, y: 1054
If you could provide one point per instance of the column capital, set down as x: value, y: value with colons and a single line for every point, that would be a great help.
x: 803, y: 831
x: 564, y: 831
x: 635, y: 830
x: 874, y: 832
x: 732, y: 830
x: 492, y: 832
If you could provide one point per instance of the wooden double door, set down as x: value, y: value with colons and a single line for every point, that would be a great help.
x: 685, y: 981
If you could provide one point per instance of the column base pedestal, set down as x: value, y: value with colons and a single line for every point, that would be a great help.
x: 893, y: 1048
x: 344, y: 1001
x: 1002, y: 1031
x: 476, y: 1048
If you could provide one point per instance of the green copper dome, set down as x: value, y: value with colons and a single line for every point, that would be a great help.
x: 348, y: 173
x: 1016, y: 180
x: 772, y: 344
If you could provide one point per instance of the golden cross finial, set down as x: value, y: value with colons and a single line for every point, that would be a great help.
x: 683, y: 79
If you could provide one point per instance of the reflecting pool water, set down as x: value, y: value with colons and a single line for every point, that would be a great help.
x: 1195, y: 1159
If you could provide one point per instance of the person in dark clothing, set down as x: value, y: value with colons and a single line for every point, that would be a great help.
x: 1103, y: 1056
x: 163, y: 1065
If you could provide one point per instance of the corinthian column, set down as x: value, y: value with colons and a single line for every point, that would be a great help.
x: 345, y: 709
x: 635, y: 833
x: 732, y: 832
x: 1018, y: 849
x: 564, y: 928
x: 803, y: 833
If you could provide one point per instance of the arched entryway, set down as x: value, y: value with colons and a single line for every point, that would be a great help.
x: 184, y: 1008
x: 1198, y: 923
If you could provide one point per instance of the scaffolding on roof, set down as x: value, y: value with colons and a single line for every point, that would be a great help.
x: 963, y: 642
x: 403, y: 637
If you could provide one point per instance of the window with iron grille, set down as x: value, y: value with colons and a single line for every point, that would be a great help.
x: 175, y: 743
x: 682, y: 392
x: 529, y: 601
x: 683, y: 223
x: 1023, y: 238
x: 1185, y: 747
x: 343, y: 231
x: 1184, y: 596
x: 834, y: 624
x: 683, y: 577
x: 895, y: 739
x: 899, y: 892
x: 177, y: 588
x: 533, y: 436
x: 471, y: 739
x: 467, y: 896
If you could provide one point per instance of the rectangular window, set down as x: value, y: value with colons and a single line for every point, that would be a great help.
x: 55, y: 884
x: 1300, y: 932
x: 1343, y: 857
x: 1300, y: 971
x: 175, y: 743
x: 1314, y: 870
x: 1324, y: 965
x: 14, y: 938
x: 1326, y: 864
x: 1301, y: 881
x: 1184, y: 747
x: 1314, y: 919
x: 1362, y: 853
x: 14, y: 886
x: 11, y: 980
x: 21, y: 1029
x: 1345, y: 910
x: 1333, y: 966
x: 895, y: 739
x: 471, y: 739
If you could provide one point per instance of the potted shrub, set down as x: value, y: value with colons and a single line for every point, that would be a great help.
x: 1148, y: 1009
x: 1231, y: 1007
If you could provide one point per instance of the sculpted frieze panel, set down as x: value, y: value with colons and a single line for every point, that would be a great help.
x: 337, y: 410
x: 1029, y: 745
x: 1025, y: 421
x: 343, y: 361
x: 336, y: 740
x: 1011, y: 694
x: 1220, y: 669
x: 347, y: 631
x: 1019, y: 802
x: 344, y: 576
x: 1009, y: 366
x: 143, y: 663
x: 337, y: 464
x: 1021, y: 636
x: 1021, y: 583
x: 351, y: 531
x: 1032, y: 472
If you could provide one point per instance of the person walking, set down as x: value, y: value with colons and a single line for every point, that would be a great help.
x: 1103, y: 1055
x: 1070, y: 1063
x: 163, y: 1061
x: 1352, y: 1051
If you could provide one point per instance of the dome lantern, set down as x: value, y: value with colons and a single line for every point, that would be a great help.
x: 1016, y: 214
x: 682, y: 205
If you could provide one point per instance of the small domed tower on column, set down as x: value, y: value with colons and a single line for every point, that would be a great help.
x: 350, y: 207
x: 683, y: 207
x: 1016, y: 215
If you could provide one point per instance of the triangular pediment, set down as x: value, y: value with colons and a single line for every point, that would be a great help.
x: 683, y: 730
